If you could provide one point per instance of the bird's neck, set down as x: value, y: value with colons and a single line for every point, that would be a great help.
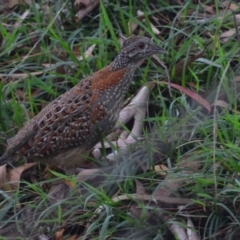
x: 121, y: 61
x: 123, y: 79
x: 113, y: 81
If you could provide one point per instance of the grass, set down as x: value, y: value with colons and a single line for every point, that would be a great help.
x: 39, y: 60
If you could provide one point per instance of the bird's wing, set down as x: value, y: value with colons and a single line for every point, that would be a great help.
x: 65, y: 122
x: 53, y: 122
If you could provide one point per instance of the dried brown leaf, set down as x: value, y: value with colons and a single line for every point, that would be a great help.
x: 3, y: 174
x: 154, y: 29
x: 11, y: 181
x: 59, y: 234
x: 140, y: 212
x: 86, y: 3
x: 86, y: 173
x: 140, y: 13
x: 140, y: 189
x: 132, y: 26
x: 21, y: 18
x: 237, y: 78
x: 12, y: 3
x: 209, y: 9
x: 221, y: 103
x: 233, y: 7
x: 84, y: 12
x: 73, y: 237
x: 225, y: 36
x: 191, y: 231
x: 87, y: 53
x: 229, y: 5
x: 161, y: 169
x: 179, y: 2
x: 58, y: 191
x: 19, y: 94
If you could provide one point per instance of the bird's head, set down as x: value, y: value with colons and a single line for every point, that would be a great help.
x: 134, y: 49
x: 140, y: 47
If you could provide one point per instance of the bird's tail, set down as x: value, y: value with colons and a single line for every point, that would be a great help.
x: 5, y: 158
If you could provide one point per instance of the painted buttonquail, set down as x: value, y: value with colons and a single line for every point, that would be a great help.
x: 71, y: 125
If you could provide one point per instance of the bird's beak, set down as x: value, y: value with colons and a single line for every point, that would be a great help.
x: 160, y: 50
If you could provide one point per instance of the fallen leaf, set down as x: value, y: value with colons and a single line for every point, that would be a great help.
x: 12, y: 180
x: 191, y: 230
x: 3, y: 174
x: 86, y: 174
x: 237, y: 78
x: 58, y: 191
x: 21, y: 18
x: 86, y: 3
x: 132, y: 26
x: 161, y: 169
x: 11, y: 3
x: 154, y: 29
x: 20, y: 94
x: 59, y: 234
x: 209, y: 9
x: 87, y: 53
x: 140, y: 13
x: 140, y: 189
x: 73, y: 237
x: 229, y: 5
x: 84, y: 12
x: 140, y: 212
x: 221, y: 103
x: 225, y: 36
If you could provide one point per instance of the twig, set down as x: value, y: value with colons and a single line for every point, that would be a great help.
x: 145, y: 197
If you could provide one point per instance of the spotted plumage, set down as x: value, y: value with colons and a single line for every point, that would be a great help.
x: 70, y: 125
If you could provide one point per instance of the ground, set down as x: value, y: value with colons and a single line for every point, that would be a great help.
x: 175, y: 170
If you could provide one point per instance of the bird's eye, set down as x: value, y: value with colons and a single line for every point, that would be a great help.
x: 141, y: 45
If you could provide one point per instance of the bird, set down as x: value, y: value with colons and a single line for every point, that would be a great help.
x: 68, y: 128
